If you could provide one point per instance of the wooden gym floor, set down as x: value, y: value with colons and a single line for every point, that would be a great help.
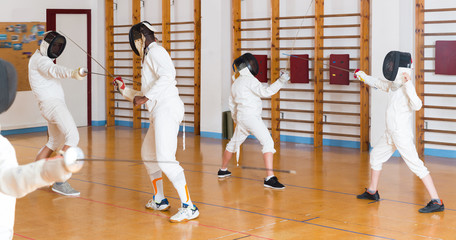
x: 318, y: 203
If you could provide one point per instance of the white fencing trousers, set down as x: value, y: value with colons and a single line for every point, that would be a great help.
x: 160, y: 143
x: 386, y: 146
x: 254, y: 125
x: 61, y: 126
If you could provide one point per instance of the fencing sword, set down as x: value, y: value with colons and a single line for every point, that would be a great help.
x: 101, y: 74
x: 329, y: 65
x: 106, y: 70
x: 106, y: 75
x: 187, y: 163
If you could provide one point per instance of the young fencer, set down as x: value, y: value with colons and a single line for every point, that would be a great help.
x: 246, y: 106
x: 44, y: 78
x: 166, y: 109
x: 402, y: 103
x: 17, y: 181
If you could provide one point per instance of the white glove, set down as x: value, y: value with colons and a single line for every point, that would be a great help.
x: 79, y: 73
x: 72, y: 158
x: 119, y: 85
x: 284, y: 76
x: 361, y: 75
x: 126, y: 92
x: 60, y: 168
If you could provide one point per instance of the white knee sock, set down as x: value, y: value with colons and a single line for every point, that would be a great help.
x: 181, y: 186
x: 157, y: 182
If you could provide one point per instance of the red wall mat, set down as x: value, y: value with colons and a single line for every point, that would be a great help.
x: 299, y: 68
x: 338, y: 76
x: 445, y: 57
x: 262, y: 60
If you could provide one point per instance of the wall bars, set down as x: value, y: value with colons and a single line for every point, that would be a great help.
x: 181, y: 39
x: 436, y: 121
x: 317, y: 109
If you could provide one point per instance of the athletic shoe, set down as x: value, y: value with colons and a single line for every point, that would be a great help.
x: 369, y: 196
x: 161, y: 206
x: 433, y: 206
x: 185, y: 213
x: 222, y: 174
x: 65, y: 189
x: 273, y: 183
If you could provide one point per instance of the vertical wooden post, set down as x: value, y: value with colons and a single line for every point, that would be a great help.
x: 136, y: 18
x: 419, y: 73
x: 109, y: 21
x: 236, y: 8
x: 275, y: 65
x: 197, y: 65
x: 166, y: 26
x: 318, y: 74
x: 364, y: 65
x: 236, y: 13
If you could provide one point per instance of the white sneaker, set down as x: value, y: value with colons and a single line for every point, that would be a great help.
x: 161, y: 206
x: 65, y: 189
x: 185, y: 213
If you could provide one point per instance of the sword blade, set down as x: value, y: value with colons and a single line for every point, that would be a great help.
x: 187, y: 163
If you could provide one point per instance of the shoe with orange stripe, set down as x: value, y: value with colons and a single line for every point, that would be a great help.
x: 185, y: 213
x: 433, y: 206
x: 161, y: 206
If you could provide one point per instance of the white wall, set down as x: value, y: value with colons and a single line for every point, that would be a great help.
x: 215, y: 62
x: 24, y: 112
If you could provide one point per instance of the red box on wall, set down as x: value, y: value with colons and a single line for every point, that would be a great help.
x: 336, y: 74
x: 445, y: 57
x: 299, y: 68
x: 262, y: 60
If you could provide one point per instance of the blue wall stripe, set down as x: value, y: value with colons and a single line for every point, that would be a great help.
x: 24, y: 130
x: 285, y: 138
x: 99, y: 123
x: 211, y: 135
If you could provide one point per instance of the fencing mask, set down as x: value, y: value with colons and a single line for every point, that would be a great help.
x: 8, y: 85
x: 247, y: 60
x: 53, y: 44
x: 138, y: 35
x: 393, y: 61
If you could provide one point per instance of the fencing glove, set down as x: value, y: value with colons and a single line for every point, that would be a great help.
x: 60, y: 168
x: 126, y: 92
x: 79, y: 73
x: 284, y: 76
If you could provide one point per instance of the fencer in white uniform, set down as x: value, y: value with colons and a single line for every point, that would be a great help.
x: 402, y: 103
x: 246, y: 106
x: 44, y: 78
x: 166, y: 109
x: 17, y: 181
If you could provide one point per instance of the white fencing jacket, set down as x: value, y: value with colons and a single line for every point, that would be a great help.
x: 15, y: 182
x: 158, y: 76
x: 246, y: 94
x: 401, y: 104
x: 44, y: 77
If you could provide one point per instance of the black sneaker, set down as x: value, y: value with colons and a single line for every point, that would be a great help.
x: 369, y: 196
x: 273, y: 183
x: 433, y: 206
x: 222, y: 174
